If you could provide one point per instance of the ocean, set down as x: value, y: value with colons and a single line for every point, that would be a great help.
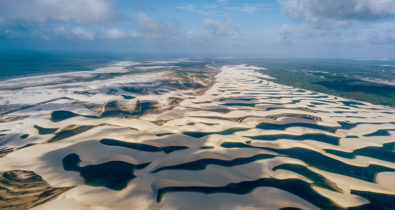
x: 21, y: 65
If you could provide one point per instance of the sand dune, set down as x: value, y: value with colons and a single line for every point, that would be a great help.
x: 157, y: 136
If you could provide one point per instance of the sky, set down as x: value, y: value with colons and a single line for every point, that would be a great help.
x: 217, y: 28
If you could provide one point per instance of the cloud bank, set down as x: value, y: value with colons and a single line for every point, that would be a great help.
x: 79, y: 11
x: 216, y: 27
x: 339, y: 12
x: 151, y: 28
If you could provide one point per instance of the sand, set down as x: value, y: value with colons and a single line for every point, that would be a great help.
x: 242, y: 130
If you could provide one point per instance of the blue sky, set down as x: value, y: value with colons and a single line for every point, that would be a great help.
x: 248, y: 28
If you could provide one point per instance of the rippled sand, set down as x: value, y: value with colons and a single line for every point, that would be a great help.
x: 158, y: 136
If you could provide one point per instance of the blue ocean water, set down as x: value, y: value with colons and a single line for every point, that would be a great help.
x: 21, y: 65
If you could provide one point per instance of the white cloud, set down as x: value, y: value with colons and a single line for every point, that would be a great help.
x: 79, y: 11
x: 216, y: 28
x: 222, y: 6
x: 82, y: 33
x: 51, y: 32
x: 114, y: 33
x: 216, y: 31
x: 154, y: 28
x: 285, y: 32
x: 245, y: 8
x: 331, y: 20
x: 331, y: 13
x: 292, y: 34
x: 191, y: 8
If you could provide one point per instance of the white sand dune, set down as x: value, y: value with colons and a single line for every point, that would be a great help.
x: 246, y: 142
